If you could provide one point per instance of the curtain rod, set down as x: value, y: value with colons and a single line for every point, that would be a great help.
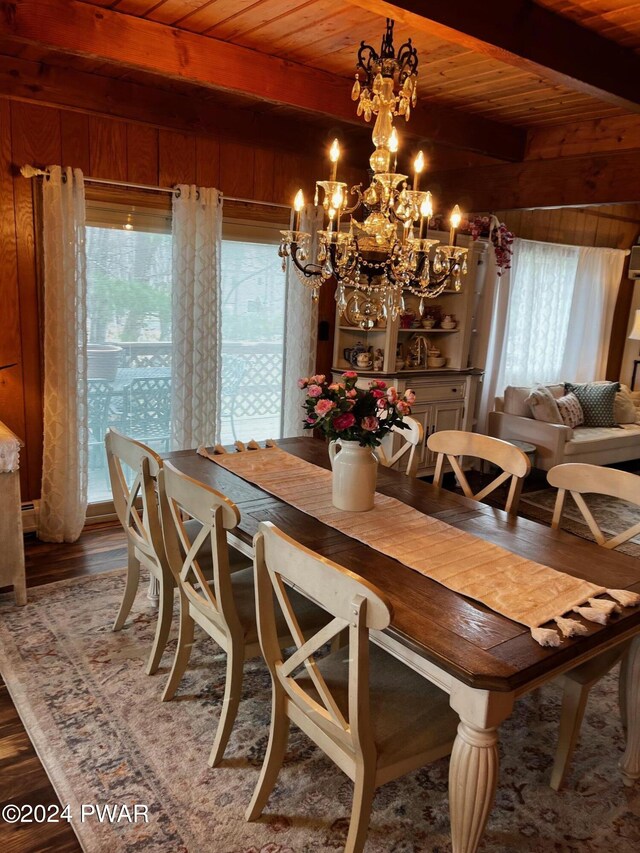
x: 34, y: 172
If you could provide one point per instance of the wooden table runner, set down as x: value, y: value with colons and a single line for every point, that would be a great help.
x: 518, y: 588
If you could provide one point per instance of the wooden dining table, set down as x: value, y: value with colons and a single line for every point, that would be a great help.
x: 483, y: 660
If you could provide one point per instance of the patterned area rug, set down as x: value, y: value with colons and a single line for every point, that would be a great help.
x: 104, y: 737
x: 612, y: 515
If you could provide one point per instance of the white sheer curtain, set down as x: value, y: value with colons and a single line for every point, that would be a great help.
x: 195, y: 316
x: 63, y: 499
x: 561, y: 308
x: 301, y: 331
x: 594, y: 300
x: 543, y: 281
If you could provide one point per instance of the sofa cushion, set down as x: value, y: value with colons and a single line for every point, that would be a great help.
x: 543, y: 405
x: 597, y: 401
x: 516, y: 395
x: 597, y: 439
x: 570, y: 410
x: 624, y: 410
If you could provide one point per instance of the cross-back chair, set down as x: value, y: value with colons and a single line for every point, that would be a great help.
x: 372, y: 715
x: 581, y: 479
x: 411, y: 440
x: 216, y: 588
x: 136, y: 506
x: 451, y: 445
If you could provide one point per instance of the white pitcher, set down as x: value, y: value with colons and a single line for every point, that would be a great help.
x: 355, y: 469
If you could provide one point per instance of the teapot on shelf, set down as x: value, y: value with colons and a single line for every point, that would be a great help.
x: 356, y: 351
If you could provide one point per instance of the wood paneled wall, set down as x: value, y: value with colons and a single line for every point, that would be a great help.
x: 104, y: 147
x: 615, y: 225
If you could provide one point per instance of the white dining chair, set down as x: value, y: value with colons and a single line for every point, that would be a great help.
x: 451, y: 445
x: 410, y: 440
x: 372, y: 715
x: 216, y: 589
x: 136, y: 506
x: 579, y: 479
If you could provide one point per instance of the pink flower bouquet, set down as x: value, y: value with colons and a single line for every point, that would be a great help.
x: 341, y: 410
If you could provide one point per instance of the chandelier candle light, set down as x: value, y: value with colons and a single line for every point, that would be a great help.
x: 389, y: 251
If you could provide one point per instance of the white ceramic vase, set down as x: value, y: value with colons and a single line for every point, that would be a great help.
x: 355, y: 469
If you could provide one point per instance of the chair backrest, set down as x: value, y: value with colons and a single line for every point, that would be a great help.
x: 411, y: 440
x: 579, y: 479
x: 142, y: 528
x: 353, y: 603
x: 183, y: 498
x: 453, y: 444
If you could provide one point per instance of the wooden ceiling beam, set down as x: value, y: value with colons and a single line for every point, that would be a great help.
x: 530, y: 37
x: 100, y: 34
x: 607, y: 178
x: 94, y: 94
x: 584, y: 137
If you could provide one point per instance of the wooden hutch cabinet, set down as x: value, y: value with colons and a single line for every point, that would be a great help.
x: 445, y: 395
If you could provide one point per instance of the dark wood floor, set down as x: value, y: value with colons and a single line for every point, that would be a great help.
x: 22, y: 777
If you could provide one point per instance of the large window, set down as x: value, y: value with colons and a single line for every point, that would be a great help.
x: 129, y: 327
x: 253, y: 306
x: 542, y: 287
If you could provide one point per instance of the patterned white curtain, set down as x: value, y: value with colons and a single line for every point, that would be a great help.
x: 301, y: 331
x: 491, y: 323
x: 543, y: 278
x: 64, y: 466
x: 195, y: 317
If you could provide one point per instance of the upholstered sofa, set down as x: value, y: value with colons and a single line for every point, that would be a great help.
x: 512, y: 420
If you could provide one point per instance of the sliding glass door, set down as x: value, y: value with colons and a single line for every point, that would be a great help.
x: 253, y: 313
x: 129, y: 329
x: 128, y: 333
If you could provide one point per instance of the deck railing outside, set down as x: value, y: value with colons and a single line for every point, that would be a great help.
x: 133, y: 394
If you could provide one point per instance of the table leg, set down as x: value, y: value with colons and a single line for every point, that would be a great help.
x: 630, y: 761
x: 473, y: 772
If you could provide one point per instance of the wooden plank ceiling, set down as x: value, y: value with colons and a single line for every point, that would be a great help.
x: 618, y: 20
x: 324, y: 34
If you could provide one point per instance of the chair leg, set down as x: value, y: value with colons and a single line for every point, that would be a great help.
x: 183, y: 650
x: 231, y: 701
x: 365, y: 786
x: 276, y: 748
x: 574, y: 701
x: 130, y: 590
x: 163, y: 625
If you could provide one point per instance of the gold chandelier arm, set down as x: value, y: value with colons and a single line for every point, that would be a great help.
x: 357, y: 191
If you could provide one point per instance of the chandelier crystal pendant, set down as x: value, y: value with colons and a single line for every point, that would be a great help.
x: 388, y: 251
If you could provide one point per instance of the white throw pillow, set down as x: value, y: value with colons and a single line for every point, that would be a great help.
x: 516, y: 396
x: 544, y: 405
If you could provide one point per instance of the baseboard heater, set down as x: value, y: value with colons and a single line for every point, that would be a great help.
x: 98, y: 513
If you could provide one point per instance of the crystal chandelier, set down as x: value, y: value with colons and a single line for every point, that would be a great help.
x: 388, y: 251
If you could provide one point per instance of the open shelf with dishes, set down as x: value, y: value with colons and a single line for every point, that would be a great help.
x: 435, y: 339
x: 444, y: 381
